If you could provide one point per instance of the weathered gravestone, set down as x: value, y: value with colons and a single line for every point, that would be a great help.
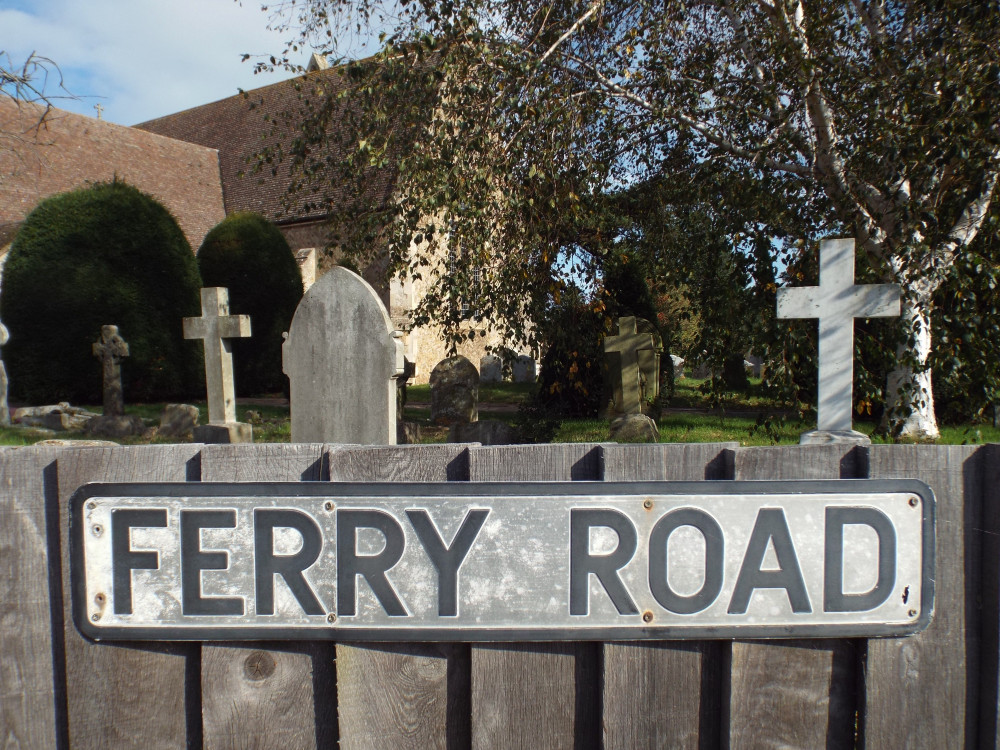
x: 634, y: 367
x: 524, y: 369
x: 490, y: 369
x: 837, y: 301
x: 215, y: 327
x: 111, y: 349
x: 454, y: 391
x: 4, y: 408
x: 342, y: 357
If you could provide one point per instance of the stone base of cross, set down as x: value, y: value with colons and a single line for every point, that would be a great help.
x: 837, y: 301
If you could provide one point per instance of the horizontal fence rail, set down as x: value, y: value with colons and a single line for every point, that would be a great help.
x: 936, y: 689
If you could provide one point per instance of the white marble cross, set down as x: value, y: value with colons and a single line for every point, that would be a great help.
x: 215, y: 326
x: 837, y: 301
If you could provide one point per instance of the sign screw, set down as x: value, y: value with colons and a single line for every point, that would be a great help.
x: 331, y: 618
x: 647, y: 504
x: 92, y: 505
x: 647, y: 616
x: 914, y: 501
x: 328, y: 505
x: 912, y: 613
x: 96, y: 616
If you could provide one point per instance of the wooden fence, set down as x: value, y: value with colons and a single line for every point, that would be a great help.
x: 934, y: 690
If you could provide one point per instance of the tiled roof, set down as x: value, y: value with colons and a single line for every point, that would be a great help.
x: 242, y: 125
x: 69, y: 151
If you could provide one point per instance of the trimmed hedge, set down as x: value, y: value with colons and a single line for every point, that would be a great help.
x: 107, y: 254
x: 249, y: 255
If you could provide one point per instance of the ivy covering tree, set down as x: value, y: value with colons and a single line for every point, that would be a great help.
x: 104, y: 255
x: 250, y: 256
x: 501, y: 122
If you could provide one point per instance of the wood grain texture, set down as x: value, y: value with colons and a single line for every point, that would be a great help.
x: 399, y: 463
x: 989, y: 683
x: 795, y: 693
x: 663, y: 694
x: 410, y: 696
x: 292, y: 706
x: 122, y: 695
x: 529, y: 463
x: 28, y: 716
x: 535, y: 695
x: 922, y: 691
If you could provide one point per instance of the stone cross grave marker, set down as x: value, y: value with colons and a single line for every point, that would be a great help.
x: 342, y: 357
x: 215, y: 327
x: 837, y: 301
x: 111, y: 349
x: 628, y: 344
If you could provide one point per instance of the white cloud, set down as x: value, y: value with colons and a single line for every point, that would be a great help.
x: 144, y: 58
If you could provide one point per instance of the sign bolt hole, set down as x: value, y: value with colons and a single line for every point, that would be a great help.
x: 92, y: 506
x: 98, y: 529
x: 331, y: 618
x: 99, y: 599
x: 913, y: 502
x: 648, y: 505
x: 912, y: 613
x: 96, y: 616
x: 647, y: 616
x: 328, y: 505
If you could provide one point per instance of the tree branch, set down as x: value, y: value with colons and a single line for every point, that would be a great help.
x: 594, y: 7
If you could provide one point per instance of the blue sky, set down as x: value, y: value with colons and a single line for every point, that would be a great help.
x: 142, y: 59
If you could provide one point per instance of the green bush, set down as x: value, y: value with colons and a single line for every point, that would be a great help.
x: 107, y: 254
x: 248, y: 255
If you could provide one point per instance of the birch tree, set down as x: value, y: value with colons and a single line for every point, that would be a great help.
x: 503, y: 120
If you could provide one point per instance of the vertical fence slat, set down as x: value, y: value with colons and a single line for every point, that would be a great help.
x: 796, y: 693
x: 535, y: 695
x: 402, y: 696
x: 989, y: 701
x: 27, y: 691
x: 119, y: 695
x: 292, y: 706
x: 663, y: 694
x: 922, y: 691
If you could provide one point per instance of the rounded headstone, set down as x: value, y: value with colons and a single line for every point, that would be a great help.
x: 454, y: 391
x: 342, y: 359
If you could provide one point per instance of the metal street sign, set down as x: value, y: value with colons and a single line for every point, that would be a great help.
x: 502, y: 562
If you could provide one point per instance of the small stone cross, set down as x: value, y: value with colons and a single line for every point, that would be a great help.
x: 111, y: 349
x: 837, y: 301
x: 628, y: 343
x: 215, y: 327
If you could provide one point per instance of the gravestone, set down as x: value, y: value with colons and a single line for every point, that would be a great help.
x: 454, y: 391
x: 490, y: 369
x: 342, y: 357
x: 111, y: 349
x: 215, y: 327
x: 635, y: 376
x: 837, y: 301
x: 524, y: 369
x: 4, y: 408
x: 678, y: 365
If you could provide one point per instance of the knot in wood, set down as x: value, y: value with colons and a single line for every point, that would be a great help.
x: 258, y: 666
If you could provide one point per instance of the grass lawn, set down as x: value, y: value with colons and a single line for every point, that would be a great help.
x: 690, y: 418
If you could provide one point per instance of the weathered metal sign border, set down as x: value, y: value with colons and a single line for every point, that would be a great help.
x: 487, y: 490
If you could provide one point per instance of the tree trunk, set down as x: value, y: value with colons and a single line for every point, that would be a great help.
x: 909, y: 395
